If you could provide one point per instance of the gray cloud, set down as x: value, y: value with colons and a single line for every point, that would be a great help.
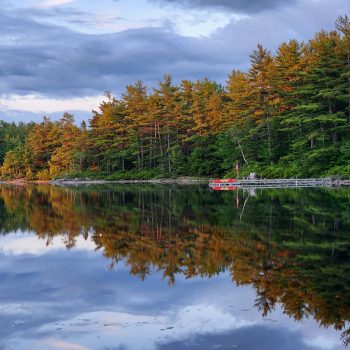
x: 55, y: 61
x: 68, y: 15
x: 239, y: 6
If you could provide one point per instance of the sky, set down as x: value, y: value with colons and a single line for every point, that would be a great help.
x: 62, y: 55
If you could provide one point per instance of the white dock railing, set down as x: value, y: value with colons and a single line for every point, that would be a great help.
x: 276, y: 183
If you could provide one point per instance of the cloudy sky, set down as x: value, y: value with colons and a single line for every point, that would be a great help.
x: 61, y: 55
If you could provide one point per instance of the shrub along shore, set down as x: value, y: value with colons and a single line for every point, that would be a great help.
x: 287, y: 116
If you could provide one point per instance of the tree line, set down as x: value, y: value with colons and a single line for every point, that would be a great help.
x: 288, y: 115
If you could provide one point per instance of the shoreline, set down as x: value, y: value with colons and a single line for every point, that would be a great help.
x: 243, y: 183
x: 179, y: 181
x: 62, y: 182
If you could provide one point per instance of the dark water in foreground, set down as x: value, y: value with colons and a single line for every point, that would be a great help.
x: 152, y: 267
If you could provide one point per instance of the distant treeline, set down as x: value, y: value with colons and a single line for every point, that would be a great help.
x: 288, y: 115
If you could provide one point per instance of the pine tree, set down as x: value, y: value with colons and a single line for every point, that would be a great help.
x: 166, y: 98
x: 261, y: 99
x: 136, y: 108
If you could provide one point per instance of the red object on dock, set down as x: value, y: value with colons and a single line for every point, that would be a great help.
x: 223, y: 184
x: 224, y: 188
x: 223, y: 181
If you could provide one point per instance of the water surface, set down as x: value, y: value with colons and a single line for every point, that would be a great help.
x: 173, y: 267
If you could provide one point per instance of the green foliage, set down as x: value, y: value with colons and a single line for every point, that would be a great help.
x: 12, y: 136
x: 202, y: 160
x: 82, y: 175
x: 341, y: 171
x: 14, y: 165
x: 131, y: 175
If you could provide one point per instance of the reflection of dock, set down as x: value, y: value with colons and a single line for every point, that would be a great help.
x: 231, y: 184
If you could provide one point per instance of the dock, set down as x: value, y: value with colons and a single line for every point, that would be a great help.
x: 231, y: 184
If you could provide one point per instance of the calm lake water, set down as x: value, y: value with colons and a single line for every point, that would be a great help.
x: 168, y: 267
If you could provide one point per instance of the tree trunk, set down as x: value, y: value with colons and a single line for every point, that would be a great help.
x: 169, y: 157
x: 241, y: 149
x: 141, y: 153
x: 138, y: 158
x: 334, y: 137
x: 150, y: 149
x: 160, y: 141
x: 269, y: 139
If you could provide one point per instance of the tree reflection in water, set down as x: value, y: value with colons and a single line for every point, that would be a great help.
x: 292, y: 246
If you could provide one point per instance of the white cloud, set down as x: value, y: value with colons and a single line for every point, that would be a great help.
x: 15, y: 244
x: 329, y: 342
x: 51, y: 3
x: 119, y: 329
x: 38, y: 104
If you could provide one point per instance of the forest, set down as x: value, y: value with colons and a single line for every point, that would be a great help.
x: 287, y: 115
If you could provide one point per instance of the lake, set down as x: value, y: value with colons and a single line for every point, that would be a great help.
x: 173, y: 267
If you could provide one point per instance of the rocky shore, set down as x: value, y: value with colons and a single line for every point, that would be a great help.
x: 179, y: 181
x: 67, y: 182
